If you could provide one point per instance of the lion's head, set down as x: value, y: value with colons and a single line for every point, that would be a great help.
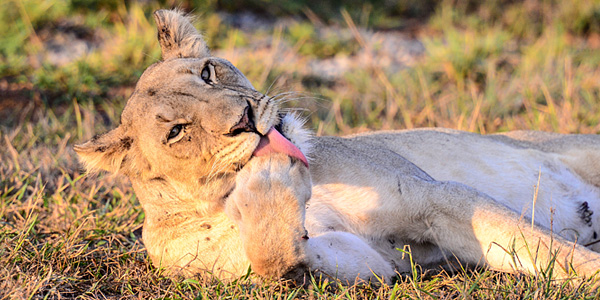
x: 192, y: 122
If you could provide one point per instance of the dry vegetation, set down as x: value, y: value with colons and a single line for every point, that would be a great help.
x: 486, y: 68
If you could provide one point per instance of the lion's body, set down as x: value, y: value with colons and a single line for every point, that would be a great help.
x: 507, y: 167
x: 358, y: 178
x: 188, y: 140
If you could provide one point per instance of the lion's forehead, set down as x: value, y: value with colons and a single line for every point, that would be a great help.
x: 167, y: 88
x: 163, y: 73
x: 165, y: 70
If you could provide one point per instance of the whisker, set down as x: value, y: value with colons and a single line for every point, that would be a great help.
x: 299, y: 111
x: 285, y: 94
x: 272, y: 83
x: 217, y: 169
x: 286, y: 100
x: 212, y: 173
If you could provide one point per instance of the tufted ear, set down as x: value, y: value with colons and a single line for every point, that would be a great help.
x: 177, y: 36
x: 105, y: 152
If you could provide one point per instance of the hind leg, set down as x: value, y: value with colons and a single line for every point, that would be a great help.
x: 476, y: 229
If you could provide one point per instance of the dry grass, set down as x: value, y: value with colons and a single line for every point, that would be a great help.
x: 63, y: 235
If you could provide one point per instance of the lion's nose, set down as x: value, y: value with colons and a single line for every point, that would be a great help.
x: 246, y: 123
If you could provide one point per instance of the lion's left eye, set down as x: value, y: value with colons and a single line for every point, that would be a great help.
x: 209, y: 74
x: 205, y: 75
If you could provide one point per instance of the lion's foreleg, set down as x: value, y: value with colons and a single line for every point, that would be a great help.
x: 268, y: 206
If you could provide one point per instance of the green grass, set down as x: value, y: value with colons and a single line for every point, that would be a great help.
x: 486, y: 68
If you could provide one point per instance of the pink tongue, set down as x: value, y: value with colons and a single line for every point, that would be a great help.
x: 273, y: 142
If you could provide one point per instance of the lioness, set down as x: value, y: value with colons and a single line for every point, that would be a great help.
x: 227, y: 181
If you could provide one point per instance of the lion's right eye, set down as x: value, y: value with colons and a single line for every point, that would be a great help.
x: 175, y: 131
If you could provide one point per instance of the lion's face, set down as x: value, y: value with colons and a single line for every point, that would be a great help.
x: 192, y: 118
x: 198, y: 117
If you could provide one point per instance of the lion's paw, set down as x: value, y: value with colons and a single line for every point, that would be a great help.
x: 270, y: 183
x: 268, y: 204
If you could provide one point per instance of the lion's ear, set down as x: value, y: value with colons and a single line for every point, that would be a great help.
x: 105, y: 152
x: 177, y: 36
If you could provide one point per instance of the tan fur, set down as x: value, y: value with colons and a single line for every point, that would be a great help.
x: 211, y: 206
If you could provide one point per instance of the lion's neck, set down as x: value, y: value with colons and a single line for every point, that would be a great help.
x: 196, y: 199
x: 177, y: 226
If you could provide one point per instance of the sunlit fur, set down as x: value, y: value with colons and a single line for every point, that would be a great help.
x: 445, y: 195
